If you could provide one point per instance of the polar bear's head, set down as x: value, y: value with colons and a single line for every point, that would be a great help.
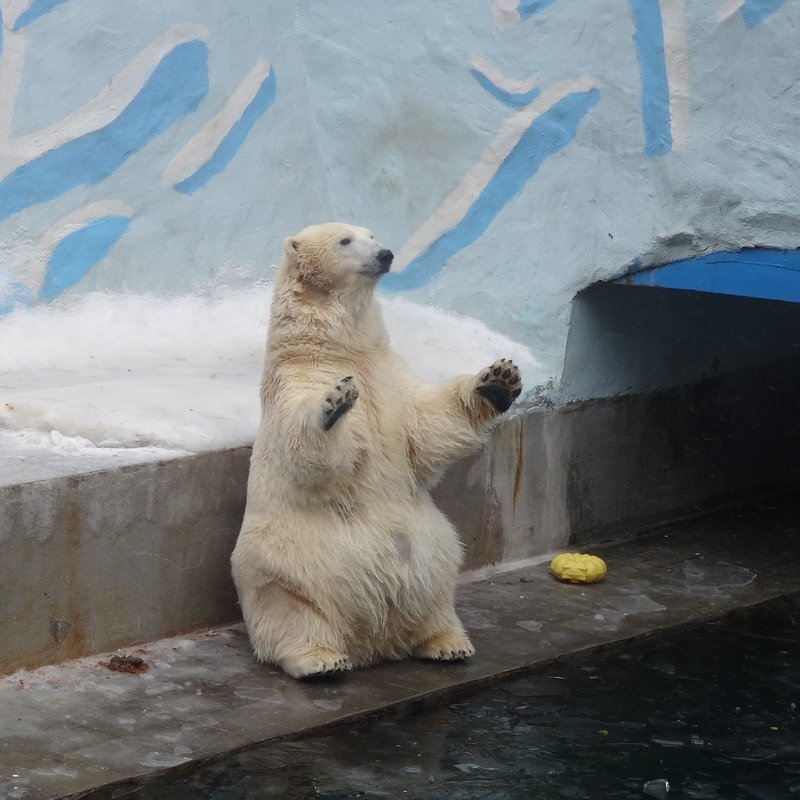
x: 336, y: 257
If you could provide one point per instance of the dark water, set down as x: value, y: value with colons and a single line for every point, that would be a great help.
x: 712, y: 711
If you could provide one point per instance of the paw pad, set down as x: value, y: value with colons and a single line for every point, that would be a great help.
x: 338, y: 401
x: 500, y: 384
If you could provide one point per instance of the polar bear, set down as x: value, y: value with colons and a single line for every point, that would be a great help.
x: 343, y: 558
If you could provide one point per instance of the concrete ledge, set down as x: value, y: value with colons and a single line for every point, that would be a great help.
x: 608, y: 468
x: 643, y: 460
x: 96, y: 561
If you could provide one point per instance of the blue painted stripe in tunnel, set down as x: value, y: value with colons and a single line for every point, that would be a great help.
x: 78, y: 252
x: 234, y: 139
x: 547, y: 134
x: 174, y: 90
x: 755, y: 11
x: 649, y: 42
x: 755, y: 272
x: 507, y: 98
x: 38, y: 8
x: 527, y: 8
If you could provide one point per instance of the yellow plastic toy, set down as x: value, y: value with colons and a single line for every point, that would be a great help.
x: 578, y: 568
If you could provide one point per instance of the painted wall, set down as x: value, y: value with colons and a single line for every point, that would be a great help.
x: 511, y: 152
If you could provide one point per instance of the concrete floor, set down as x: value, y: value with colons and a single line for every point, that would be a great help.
x: 69, y: 729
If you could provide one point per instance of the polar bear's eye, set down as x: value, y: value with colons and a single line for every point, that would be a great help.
x: 345, y: 241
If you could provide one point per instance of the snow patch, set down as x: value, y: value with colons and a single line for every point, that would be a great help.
x: 182, y: 373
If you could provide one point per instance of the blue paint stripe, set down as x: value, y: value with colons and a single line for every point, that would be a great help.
x: 755, y: 272
x: 234, y: 139
x: 77, y: 253
x: 649, y: 41
x: 38, y: 8
x: 15, y: 296
x: 511, y: 99
x: 174, y: 90
x: 547, y: 134
x: 527, y: 8
x: 755, y: 11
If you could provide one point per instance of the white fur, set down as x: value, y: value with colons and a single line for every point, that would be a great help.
x: 343, y: 558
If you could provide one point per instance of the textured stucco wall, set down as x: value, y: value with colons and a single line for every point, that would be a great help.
x: 511, y: 152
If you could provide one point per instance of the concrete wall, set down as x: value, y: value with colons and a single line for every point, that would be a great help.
x: 99, y: 560
x: 511, y: 152
x: 644, y: 460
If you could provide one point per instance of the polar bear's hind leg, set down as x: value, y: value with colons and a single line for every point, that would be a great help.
x: 450, y: 645
x: 315, y: 661
x: 290, y: 631
x: 441, y: 636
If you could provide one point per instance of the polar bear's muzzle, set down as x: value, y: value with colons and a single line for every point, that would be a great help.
x: 381, y: 264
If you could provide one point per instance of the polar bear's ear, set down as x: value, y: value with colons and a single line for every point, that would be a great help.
x: 291, y: 245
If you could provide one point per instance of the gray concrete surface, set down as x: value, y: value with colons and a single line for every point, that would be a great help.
x: 612, y: 466
x: 67, y: 730
x: 98, y: 560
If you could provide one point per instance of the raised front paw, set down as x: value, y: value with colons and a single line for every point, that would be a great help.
x: 500, y: 384
x: 338, y: 402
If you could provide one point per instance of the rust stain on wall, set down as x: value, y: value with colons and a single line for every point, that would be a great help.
x: 73, y: 643
x: 520, y: 459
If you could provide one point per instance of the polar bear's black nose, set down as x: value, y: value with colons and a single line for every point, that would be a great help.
x: 385, y: 257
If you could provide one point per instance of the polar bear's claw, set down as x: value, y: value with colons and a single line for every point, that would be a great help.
x: 500, y: 384
x: 338, y: 402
